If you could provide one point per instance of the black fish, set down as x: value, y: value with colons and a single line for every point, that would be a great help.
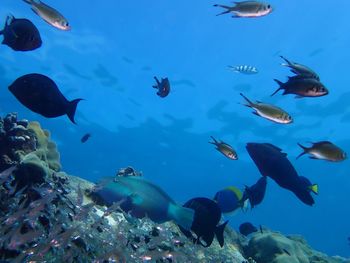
x: 163, y: 87
x: 302, y: 87
x: 255, y: 193
x: 247, y: 228
x: 40, y: 94
x: 272, y: 162
x: 205, y: 224
x: 20, y: 34
x: 85, y: 137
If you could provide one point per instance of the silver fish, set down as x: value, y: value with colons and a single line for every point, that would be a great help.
x: 247, y: 9
x: 225, y: 149
x: 269, y: 111
x: 49, y: 14
x: 299, y: 69
x: 324, y: 150
x: 244, y: 69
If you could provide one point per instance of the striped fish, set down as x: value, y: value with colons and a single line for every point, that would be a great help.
x: 244, y: 69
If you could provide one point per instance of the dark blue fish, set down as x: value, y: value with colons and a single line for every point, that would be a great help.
x: 229, y: 199
x: 255, y: 193
x: 20, y: 34
x: 272, y: 162
x: 247, y: 228
x: 40, y: 94
x: 205, y: 224
x: 163, y: 87
x: 85, y: 137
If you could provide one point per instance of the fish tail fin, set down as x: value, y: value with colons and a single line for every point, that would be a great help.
x: 219, y: 232
x: 29, y: 1
x: 286, y: 60
x: 314, y: 188
x: 72, y: 107
x: 156, y: 79
x: 305, y: 150
x: 223, y: 6
x: 280, y: 83
x: 250, y: 104
x: 181, y: 215
x: 215, y: 142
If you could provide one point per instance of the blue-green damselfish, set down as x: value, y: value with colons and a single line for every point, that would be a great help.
x: 142, y: 198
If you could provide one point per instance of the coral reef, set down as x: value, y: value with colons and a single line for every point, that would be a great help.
x: 49, y: 216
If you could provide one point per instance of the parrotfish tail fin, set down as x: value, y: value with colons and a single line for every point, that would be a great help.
x: 305, y: 150
x: 280, y: 83
x: 250, y: 104
x: 219, y: 232
x: 288, y: 63
x: 72, y: 107
x: 181, y: 215
x: 314, y: 188
x: 215, y: 142
x: 223, y: 6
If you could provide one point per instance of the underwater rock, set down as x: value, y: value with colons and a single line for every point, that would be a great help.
x: 273, y: 247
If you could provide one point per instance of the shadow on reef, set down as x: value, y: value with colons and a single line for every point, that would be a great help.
x: 47, y: 216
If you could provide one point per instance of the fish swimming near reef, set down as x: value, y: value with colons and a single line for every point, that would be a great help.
x: 324, y: 150
x: 85, y: 138
x: 49, y: 14
x: 272, y: 162
x: 206, y: 222
x: 247, y: 228
x: 21, y: 34
x: 247, y: 9
x: 268, y: 111
x: 40, y: 94
x: 229, y: 199
x: 225, y: 149
x: 162, y: 86
x: 143, y: 198
x: 244, y: 69
x: 300, y: 69
x: 302, y: 87
x: 255, y: 193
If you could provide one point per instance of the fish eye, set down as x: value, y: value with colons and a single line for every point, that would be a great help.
x: 268, y: 6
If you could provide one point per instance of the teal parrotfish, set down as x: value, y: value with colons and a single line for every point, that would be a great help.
x: 144, y: 199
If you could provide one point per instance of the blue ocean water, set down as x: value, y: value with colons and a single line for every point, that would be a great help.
x: 115, y: 48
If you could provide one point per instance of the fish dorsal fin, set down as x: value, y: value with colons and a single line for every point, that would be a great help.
x: 323, y: 142
x: 236, y: 191
x: 276, y: 148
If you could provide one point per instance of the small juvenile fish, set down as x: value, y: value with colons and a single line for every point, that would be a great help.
x: 324, y: 150
x: 269, y: 111
x: 244, y: 69
x: 225, y: 149
x: 85, y: 137
x: 49, y: 14
x: 302, y: 87
x: 300, y: 69
x: 163, y: 87
x: 247, y: 9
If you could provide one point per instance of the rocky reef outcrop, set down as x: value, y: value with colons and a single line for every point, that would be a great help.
x: 49, y: 216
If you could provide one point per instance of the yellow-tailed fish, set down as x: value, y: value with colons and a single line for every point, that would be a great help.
x: 269, y: 111
x: 225, y: 149
x: 49, y: 14
x: 324, y: 150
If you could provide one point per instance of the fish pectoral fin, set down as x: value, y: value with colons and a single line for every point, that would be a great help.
x: 136, y: 199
